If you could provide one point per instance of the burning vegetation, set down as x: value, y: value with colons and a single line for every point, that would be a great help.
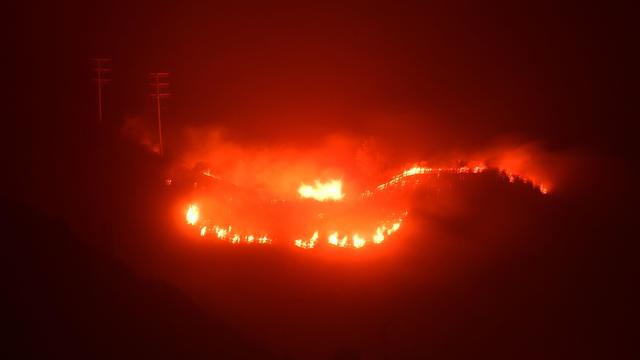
x: 343, y: 193
x: 334, y: 218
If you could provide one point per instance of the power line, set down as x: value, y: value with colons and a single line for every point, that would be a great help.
x: 100, y: 69
x: 160, y: 87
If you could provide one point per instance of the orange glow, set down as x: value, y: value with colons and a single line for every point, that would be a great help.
x: 221, y: 233
x: 193, y: 214
x: 208, y: 173
x: 227, y: 233
x: 264, y: 240
x: 333, y: 239
x: 330, y: 190
x: 357, y: 241
x: 235, y: 239
x: 399, y: 180
x: 378, y: 237
x: 422, y: 170
x: 310, y: 244
x: 345, y: 235
x: 336, y: 241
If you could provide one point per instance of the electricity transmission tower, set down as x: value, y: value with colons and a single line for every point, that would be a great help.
x: 100, y: 69
x: 160, y: 87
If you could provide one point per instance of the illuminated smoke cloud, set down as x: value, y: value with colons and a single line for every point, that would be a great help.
x: 255, y: 194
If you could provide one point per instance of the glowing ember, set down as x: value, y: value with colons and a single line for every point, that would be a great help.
x: 264, y: 240
x: 310, y: 244
x: 221, y: 233
x: 193, y: 214
x: 208, y: 173
x: 330, y: 190
x: 227, y: 233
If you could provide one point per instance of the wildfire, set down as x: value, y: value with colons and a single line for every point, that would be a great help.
x: 330, y: 190
x: 543, y: 188
x: 222, y: 232
x: 335, y: 241
x: 307, y: 244
x: 401, y: 178
x: 193, y: 214
x: 420, y: 170
x: 356, y: 240
x: 226, y: 233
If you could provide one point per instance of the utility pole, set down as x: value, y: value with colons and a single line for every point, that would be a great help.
x: 100, y: 69
x: 160, y: 86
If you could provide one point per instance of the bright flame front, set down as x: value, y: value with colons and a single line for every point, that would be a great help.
x: 375, y: 232
x: 193, y: 214
x: 330, y: 190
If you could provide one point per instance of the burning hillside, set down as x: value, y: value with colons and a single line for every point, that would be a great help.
x: 320, y: 213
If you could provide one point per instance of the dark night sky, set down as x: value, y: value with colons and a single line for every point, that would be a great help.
x: 471, y: 70
x: 427, y: 77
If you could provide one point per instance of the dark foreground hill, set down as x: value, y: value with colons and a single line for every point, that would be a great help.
x: 64, y: 299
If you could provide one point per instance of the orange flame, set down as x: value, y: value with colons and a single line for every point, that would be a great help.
x: 335, y: 241
x: 330, y: 190
x: 227, y: 233
x: 307, y: 244
x: 193, y: 214
x: 357, y: 241
x: 420, y: 170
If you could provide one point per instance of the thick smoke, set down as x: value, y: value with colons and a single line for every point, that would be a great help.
x: 362, y: 161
